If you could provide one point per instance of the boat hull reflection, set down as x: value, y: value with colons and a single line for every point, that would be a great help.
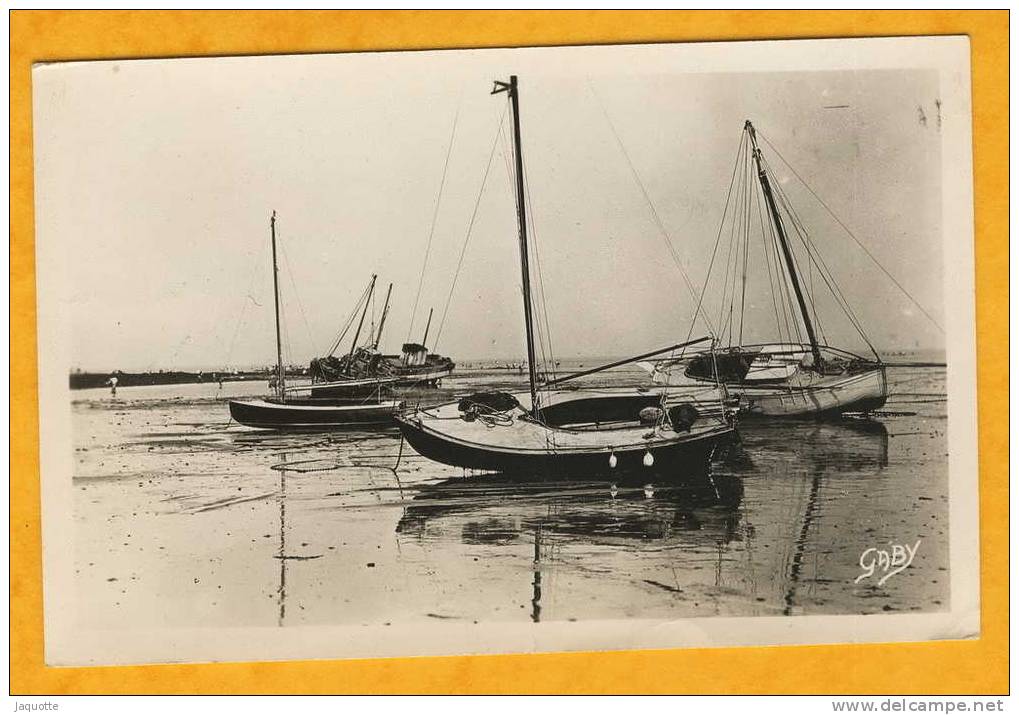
x: 504, y: 508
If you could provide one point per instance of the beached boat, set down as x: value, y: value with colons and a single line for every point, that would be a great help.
x: 297, y: 414
x: 364, y: 367
x: 415, y: 366
x: 798, y: 376
x: 286, y: 410
x: 776, y: 380
x: 550, y: 430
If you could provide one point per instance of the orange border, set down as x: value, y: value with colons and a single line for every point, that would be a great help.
x: 940, y: 667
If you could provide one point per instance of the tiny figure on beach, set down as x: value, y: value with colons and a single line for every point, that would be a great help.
x: 112, y: 382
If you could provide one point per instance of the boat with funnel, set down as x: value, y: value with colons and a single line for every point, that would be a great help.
x: 364, y: 367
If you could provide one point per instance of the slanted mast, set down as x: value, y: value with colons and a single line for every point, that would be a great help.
x: 357, y: 334
x: 776, y: 218
x: 382, y: 320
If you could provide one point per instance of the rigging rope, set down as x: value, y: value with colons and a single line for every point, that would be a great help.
x: 816, y: 259
x: 297, y: 296
x: 470, y: 228
x: 792, y: 324
x: 728, y: 258
x: 507, y: 146
x: 654, y: 212
x: 718, y: 238
x: 746, y: 246
x: 256, y: 273
x: 549, y: 360
x: 767, y: 261
x: 852, y: 235
x: 349, y: 321
x: 435, y: 216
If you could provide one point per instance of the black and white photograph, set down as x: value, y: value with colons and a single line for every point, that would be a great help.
x: 506, y: 351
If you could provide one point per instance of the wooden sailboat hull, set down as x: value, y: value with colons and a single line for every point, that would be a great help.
x: 403, y: 377
x: 691, y: 456
x: 827, y: 397
x: 265, y: 414
x: 777, y: 387
x: 421, y: 377
x: 350, y: 389
x: 517, y: 444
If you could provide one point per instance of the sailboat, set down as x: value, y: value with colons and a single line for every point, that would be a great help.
x: 792, y: 377
x: 560, y: 431
x: 286, y: 410
x: 356, y: 374
x: 416, y: 366
x: 364, y: 368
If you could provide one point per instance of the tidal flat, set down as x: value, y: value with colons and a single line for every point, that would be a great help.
x: 184, y: 519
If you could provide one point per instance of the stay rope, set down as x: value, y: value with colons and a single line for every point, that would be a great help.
x: 651, y: 205
x: 817, y: 260
x: 256, y: 272
x: 435, y: 216
x: 718, y: 240
x: 470, y: 229
x: 858, y: 242
x: 349, y: 322
x: 293, y: 285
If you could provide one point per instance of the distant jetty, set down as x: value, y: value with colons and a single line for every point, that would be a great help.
x: 88, y: 380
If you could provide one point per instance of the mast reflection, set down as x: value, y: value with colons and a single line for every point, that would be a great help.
x: 504, y: 510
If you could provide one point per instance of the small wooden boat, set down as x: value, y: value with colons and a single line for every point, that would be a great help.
x: 311, y: 413
x: 566, y: 432
x: 352, y: 389
x: 363, y: 405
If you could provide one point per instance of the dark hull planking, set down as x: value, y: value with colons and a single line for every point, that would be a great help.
x: 426, y: 376
x: 687, y: 457
x: 347, y: 392
x: 266, y: 415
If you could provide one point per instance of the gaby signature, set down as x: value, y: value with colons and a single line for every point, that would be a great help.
x: 887, y: 562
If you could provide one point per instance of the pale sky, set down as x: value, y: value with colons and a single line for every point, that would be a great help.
x: 159, y: 178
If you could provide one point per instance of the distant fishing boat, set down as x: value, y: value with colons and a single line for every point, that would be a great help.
x: 364, y: 367
x: 566, y: 432
x: 415, y: 366
x: 285, y: 410
x: 788, y: 378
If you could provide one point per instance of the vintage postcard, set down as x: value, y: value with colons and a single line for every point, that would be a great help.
x: 505, y: 351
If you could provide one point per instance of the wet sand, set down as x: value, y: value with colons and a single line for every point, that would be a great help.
x: 185, y: 520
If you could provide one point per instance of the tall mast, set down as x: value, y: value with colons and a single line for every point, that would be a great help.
x: 525, y: 272
x: 280, y: 371
x: 424, y: 340
x: 382, y: 322
x: 367, y: 302
x: 784, y: 242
